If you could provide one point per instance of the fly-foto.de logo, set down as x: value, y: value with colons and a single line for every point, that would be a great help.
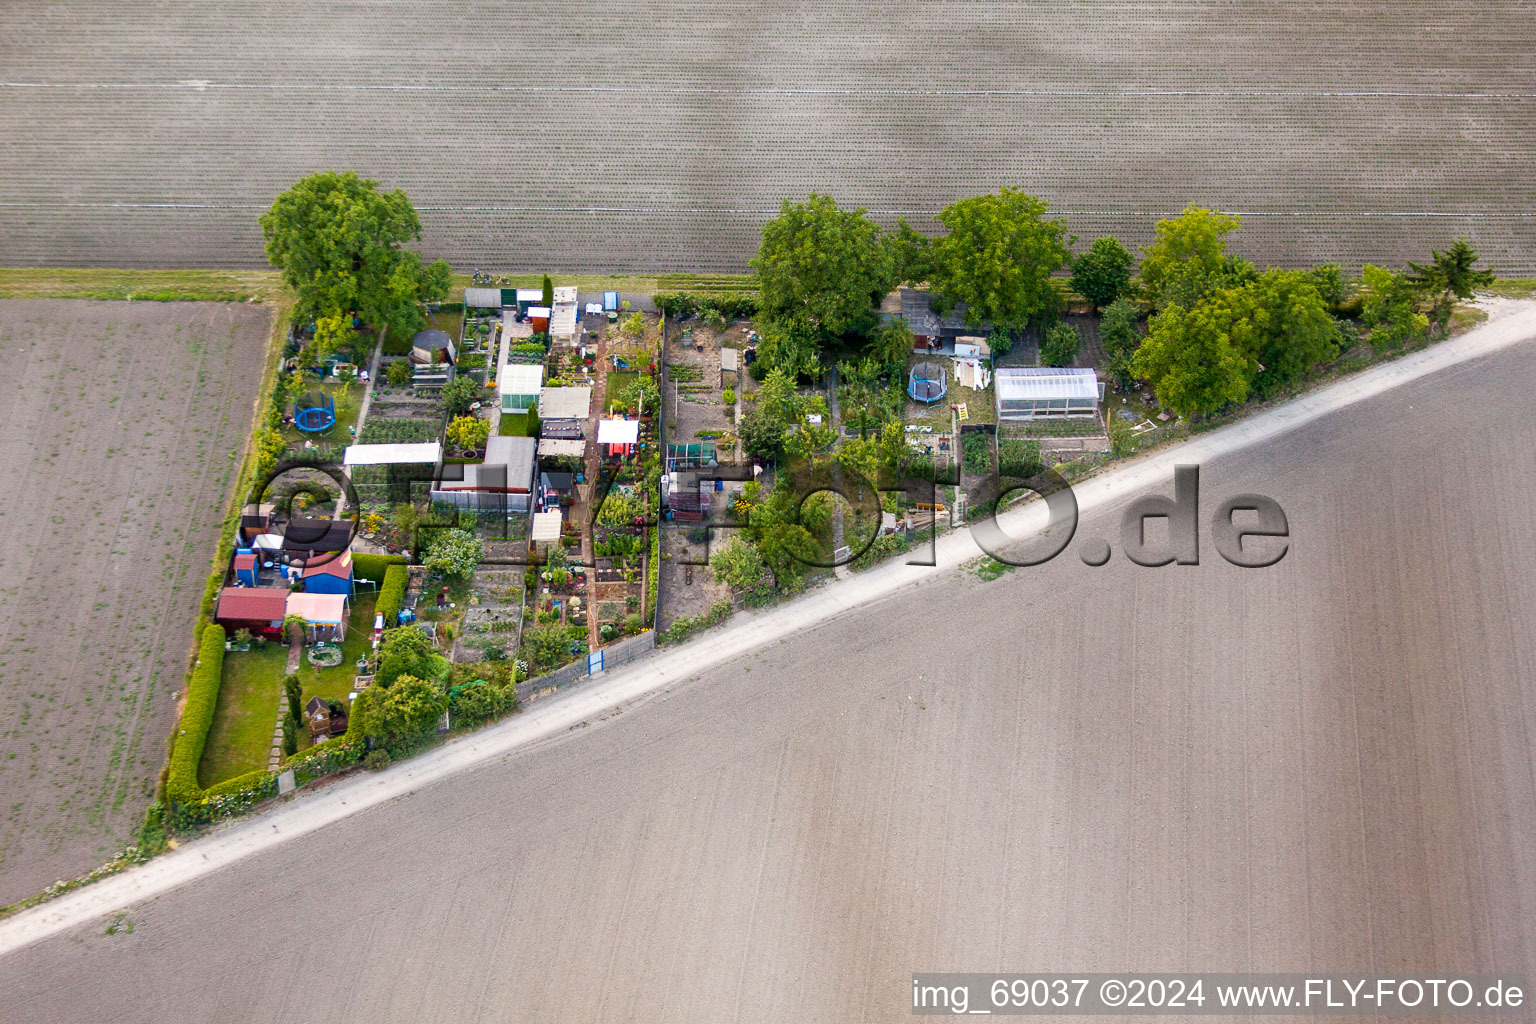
x: 1248, y: 530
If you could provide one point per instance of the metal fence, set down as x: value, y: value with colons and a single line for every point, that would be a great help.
x: 614, y: 655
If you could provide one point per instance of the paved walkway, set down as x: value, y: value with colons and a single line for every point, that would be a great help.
x: 554, y: 716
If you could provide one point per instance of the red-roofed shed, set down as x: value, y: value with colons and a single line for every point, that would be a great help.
x: 258, y: 609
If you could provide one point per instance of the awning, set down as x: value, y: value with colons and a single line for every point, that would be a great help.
x: 618, y: 431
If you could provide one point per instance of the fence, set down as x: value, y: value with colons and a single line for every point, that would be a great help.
x: 614, y: 655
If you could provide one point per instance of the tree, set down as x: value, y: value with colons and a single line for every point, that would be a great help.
x: 777, y: 397
x: 338, y: 242
x: 1449, y: 276
x: 790, y: 344
x: 454, y: 553
x: 331, y: 333
x: 998, y: 259
x: 467, y: 433
x: 762, y: 436
x: 1283, y: 323
x: 891, y: 342
x: 1187, y: 258
x: 1059, y: 345
x: 461, y: 393
x: 407, y: 651
x: 1191, y: 360
x: 548, y: 644
x: 912, y: 252
x: 295, y: 694
x: 290, y: 737
x: 405, y: 710
x: 1103, y: 273
x: 738, y: 565
x: 1389, y: 308
x: 399, y: 373
x: 824, y: 266
x: 641, y: 394
x: 547, y: 292
x: 1118, y: 335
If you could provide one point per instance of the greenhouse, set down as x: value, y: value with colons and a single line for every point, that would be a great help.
x: 1027, y: 392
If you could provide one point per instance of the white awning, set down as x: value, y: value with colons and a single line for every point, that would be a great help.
x: 618, y: 431
x: 392, y: 454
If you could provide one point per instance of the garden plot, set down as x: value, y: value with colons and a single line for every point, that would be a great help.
x: 494, y: 616
x: 695, y: 393
x: 125, y: 425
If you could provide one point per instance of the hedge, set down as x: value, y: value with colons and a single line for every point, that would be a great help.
x: 197, y: 716
x: 392, y: 594
x: 682, y: 305
x: 685, y: 627
x: 372, y: 567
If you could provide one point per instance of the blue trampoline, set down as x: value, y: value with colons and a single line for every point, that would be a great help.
x: 926, y: 382
x: 314, y: 413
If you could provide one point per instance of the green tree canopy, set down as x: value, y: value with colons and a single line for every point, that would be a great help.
x: 1187, y: 258
x: 1389, y: 308
x: 913, y: 253
x: 408, y: 708
x: 1103, y: 273
x: 738, y: 565
x: 461, y: 393
x: 1283, y: 322
x: 338, y: 242
x: 824, y: 267
x: 762, y: 436
x: 1059, y: 345
x: 1449, y: 276
x: 998, y: 259
x: 1192, y: 361
x: 1119, y: 336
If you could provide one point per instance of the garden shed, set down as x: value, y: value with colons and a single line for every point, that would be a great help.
x: 555, y: 447
x: 329, y: 575
x: 258, y: 609
x: 565, y: 403
x: 545, y: 533
x: 520, y: 385
x: 245, y: 569
x: 433, y: 346
x: 503, y: 481
x: 306, y: 535
x: 1032, y: 392
x: 324, y: 615
x: 483, y: 298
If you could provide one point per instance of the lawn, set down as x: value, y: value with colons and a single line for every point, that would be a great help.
x: 513, y: 424
x: 618, y: 380
x: 241, y: 736
x: 349, y: 400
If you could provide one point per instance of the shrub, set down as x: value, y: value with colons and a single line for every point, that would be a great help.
x: 479, y: 702
x: 376, y: 761
x: 728, y: 396
x: 460, y: 393
x: 372, y: 567
x: 1059, y: 345
x: 399, y: 373
x: 196, y: 717
x: 392, y: 594
x: 682, y: 305
x: 686, y: 627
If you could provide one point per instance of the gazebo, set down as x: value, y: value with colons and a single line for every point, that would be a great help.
x: 926, y: 382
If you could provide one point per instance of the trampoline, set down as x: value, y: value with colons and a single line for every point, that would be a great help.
x: 314, y: 413
x: 926, y: 382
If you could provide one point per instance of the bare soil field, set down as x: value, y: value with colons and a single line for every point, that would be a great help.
x: 1364, y: 130
x: 121, y: 430
x: 1322, y: 766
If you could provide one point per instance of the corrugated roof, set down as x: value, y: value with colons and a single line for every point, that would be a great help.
x: 482, y: 298
x: 252, y: 604
x: 341, y: 567
x: 554, y: 446
x: 546, y: 526
x: 1026, y: 383
x: 522, y: 378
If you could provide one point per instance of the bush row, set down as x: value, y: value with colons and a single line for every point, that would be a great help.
x: 197, y: 716
x: 682, y: 305
x: 392, y: 594
x: 372, y: 567
x: 685, y: 627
